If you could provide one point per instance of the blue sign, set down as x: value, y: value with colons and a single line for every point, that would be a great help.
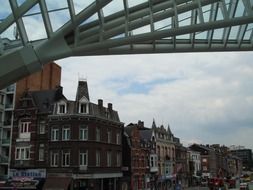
x: 31, y: 173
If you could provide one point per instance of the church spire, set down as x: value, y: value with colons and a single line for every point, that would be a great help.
x: 153, y: 124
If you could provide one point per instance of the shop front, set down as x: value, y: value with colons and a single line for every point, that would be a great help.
x: 25, y: 179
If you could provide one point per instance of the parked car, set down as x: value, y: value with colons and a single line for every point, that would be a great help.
x: 244, y: 186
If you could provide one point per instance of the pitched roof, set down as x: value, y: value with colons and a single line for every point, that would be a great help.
x: 44, y: 99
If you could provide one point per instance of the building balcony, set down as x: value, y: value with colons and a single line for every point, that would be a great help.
x: 153, y: 169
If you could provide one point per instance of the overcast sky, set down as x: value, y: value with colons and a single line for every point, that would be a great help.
x: 204, y: 97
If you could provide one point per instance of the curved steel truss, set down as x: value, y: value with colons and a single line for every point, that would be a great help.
x: 46, y: 30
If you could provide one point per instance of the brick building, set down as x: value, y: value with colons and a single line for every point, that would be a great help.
x: 138, y: 158
x: 84, y: 147
x: 46, y: 79
x: 30, y: 139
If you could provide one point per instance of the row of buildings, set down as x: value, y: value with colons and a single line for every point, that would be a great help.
x: 50, y: 142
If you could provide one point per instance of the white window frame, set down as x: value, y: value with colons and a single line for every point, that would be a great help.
x: 22, y: 153
x: 42, y: 127
x: 83, y: 129
x: 54, y: 159
x: 66, y: 133
x: 109, y: 136
x: 98, y: 134
x: 59, y: 107
x: 109, y: 158
x: 118, y: 159
x: 55, y: 134
x: 118, y: 139
x: 98, y: 158
x: 66, y: 159
x: 41, y: 154
x: 83, y: 156
x: 84, y: 105
x: 24, y: 127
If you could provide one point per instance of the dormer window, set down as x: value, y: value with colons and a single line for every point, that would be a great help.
x: 62, y: 108
x: 83, y: 108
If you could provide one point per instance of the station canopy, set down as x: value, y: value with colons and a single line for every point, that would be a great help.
x: 35, y: 32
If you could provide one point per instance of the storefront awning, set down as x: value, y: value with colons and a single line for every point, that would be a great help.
x: 57, y: 183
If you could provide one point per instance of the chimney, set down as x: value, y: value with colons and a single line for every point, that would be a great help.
x: 100, y: 103
x: 141, y: 124
x: 110, y: 106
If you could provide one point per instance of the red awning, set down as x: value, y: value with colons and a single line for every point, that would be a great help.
x: 57, y: 183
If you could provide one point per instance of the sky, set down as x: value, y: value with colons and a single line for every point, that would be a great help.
x: 204, y: 97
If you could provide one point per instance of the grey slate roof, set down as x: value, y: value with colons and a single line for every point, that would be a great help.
x: 146, y: 134
x: 82, y: 90
x: 45, y: 99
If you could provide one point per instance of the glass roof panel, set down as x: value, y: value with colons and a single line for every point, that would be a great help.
x: 163, y: 24
x: 56, y: 4
x: 5, y: 10
x: 184, y: 19
x: 201, y: 35
x: 59, y: 18
x: 80, y: 5
x: 218, y: 34
x: 113, y: 7
x: 32, y: 22
x: 219, y: 15
x: 34, y: 9
x: 248, y: 32
x: 240, y: 9
x: 234, y: 32
x: 132, y: 3
x: 141, y: 30
x: 9, y: 32
x: 184, y: 36
x: 20, y: 2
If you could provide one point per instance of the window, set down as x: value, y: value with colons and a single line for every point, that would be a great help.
x: 66, y: 134
x: 22, y: 153
x: 55, y: 134
x: 1, y: 99
x: 204, y: 160
x: 41, y: 152
x: 83, y: 158
x: 83, y: 132
x: 109, y: 158
x: 24, y: 127
x: 66, y: 158
x: 109, y: 136
x: 84, y: 107
x: 118, y: 138
x: 42, y: 127
x: 54, y: 159
x: 97, y: 134
x: 118, y: 159
x: 61, y: 108
x: 97, y: 157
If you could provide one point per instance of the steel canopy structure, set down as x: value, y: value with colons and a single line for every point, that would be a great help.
x: 48, y: 30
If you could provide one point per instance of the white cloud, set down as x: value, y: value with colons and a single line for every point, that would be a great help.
x: 209, y: 101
